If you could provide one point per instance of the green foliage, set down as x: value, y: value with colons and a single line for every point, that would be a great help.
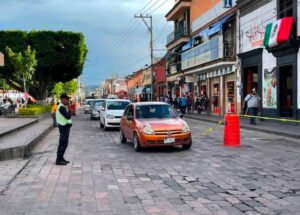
x: 69, y: 88
x: 34, y: 110
x: 3, y: 85
x: 60, y: 55
x: 24, y: 64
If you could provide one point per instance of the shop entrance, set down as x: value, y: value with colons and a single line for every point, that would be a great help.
x: 250, y: 80
x: 286, y: 91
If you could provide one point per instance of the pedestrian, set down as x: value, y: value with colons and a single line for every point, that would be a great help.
x: 197, y: 105
x: 4, y: 108
x: 53, y: 113
x: 252, y: 101
x: 189, y: 104
x: 183, y: 104
x: 63, y: 118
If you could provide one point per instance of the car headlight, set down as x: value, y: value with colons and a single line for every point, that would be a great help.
x: 148, y: 130
x: 108, y: 116
x: 186, y: 128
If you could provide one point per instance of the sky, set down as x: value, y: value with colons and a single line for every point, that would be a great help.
x: 118, y: 43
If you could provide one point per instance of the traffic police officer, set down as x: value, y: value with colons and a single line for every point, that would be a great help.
x: 63, y: 118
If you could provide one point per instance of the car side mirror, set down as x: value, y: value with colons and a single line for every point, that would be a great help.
x: 181, y: 115
x: 130, y: 118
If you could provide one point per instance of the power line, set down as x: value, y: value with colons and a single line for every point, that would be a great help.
x: 158, y: 7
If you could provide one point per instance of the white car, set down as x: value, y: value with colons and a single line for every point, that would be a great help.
x: 88, y: 105
x: 111, y: 113
x: 96, y: 108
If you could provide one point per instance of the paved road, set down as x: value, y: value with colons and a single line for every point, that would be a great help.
x: 106, y: 177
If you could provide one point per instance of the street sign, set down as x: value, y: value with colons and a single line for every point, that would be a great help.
x: 227, y: 3
x: 1, y: 59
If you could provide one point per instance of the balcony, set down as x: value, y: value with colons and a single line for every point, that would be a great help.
x: 179, y: 8
x: 177, y: 37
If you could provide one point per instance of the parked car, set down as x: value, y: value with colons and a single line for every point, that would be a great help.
x: 96, y: 108
x: 154, y: 124
x: 111, y: 112
x: 87, y: 105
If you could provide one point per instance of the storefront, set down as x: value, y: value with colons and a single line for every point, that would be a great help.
x: 254, y: 59
x: 147, y: 85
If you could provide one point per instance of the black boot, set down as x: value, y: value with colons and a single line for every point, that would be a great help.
x: 60, y: 161
x: 66, y: 161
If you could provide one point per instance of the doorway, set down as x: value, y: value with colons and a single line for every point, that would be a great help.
x: 286, y: 91
x: 250, y: 80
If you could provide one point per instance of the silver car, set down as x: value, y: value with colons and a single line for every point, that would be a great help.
x: 96, y: 108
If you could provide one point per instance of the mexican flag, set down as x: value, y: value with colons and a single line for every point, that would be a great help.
x: 278, y: 32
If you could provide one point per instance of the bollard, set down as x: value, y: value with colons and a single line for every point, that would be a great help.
x: 232, y: 137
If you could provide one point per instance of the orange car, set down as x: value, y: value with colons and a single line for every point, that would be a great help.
x: 150, y: 124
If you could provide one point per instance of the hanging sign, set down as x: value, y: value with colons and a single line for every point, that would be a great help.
x: 227, y: 3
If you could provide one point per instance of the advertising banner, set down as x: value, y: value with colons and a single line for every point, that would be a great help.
x: 203, y: 53
x: 270, y: 88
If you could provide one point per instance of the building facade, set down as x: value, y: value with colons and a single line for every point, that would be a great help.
x: 202, y: 56
x: 268, y: 55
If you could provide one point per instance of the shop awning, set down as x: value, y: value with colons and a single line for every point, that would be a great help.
x: 278, y: 32
x: 218, y: 25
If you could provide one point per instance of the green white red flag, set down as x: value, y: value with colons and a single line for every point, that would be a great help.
x: 278, y: 32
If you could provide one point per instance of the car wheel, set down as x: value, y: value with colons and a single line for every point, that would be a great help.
x: 123, y: 139
x: 136, y: 143
x: 104, y: 127
x: 187, y: 147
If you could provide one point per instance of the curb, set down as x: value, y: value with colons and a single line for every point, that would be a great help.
x: 25, y: 150
x: 297, y: 136
x: 18, y: 128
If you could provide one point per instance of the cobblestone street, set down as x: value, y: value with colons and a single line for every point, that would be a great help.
x: 107, y: 177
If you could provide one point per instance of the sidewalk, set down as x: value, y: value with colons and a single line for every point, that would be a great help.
x: 272, y: 127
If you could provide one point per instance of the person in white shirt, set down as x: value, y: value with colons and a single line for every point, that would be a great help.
x: 252, y: 100
x: 5, y: 106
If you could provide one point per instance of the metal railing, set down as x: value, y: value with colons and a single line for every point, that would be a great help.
x: 175, y: 35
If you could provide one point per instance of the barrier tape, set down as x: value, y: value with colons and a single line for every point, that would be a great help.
x: 270, y: 118
x: 211, y: 129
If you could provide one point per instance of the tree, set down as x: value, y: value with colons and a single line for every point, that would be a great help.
x: 24, y: 65
x: 60, y: 55
x: 69, y: 88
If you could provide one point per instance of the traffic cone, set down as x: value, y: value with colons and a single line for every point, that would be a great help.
x: 232, y: 137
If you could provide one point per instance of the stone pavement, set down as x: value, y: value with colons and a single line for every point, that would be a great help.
x: 287, y: 129
x: 106, y: 177
x: 8, y: 125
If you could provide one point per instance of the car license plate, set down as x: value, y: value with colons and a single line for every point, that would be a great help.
x: 169, y: 140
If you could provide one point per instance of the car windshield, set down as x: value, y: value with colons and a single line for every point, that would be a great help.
x: 155, y: 111
x: 89, y: 102
x: 99, y: 104
x: 117, y: 105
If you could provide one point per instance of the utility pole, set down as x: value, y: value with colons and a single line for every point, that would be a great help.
x: 150, y: 29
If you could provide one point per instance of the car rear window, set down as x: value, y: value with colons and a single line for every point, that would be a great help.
x: 117, y: 105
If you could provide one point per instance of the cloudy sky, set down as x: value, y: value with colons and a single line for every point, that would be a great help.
x: 117, y: 43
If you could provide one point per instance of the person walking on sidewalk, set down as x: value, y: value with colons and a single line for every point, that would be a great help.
x: 252, y: 100
x: 53, y: 113
x: 183, y: 103
x: 63, y: 118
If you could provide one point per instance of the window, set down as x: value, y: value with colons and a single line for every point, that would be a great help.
x: 155, y: 111
x: 285, y: 8
x: 117, y: 105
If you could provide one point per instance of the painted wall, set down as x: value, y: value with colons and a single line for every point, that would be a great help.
x: 203, y: 11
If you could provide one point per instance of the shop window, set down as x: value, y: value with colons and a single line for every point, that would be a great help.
x: 230, y: 108
x: 215, y: 98
x: 285, y: 8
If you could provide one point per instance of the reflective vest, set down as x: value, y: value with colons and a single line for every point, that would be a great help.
x: 61, y: 120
